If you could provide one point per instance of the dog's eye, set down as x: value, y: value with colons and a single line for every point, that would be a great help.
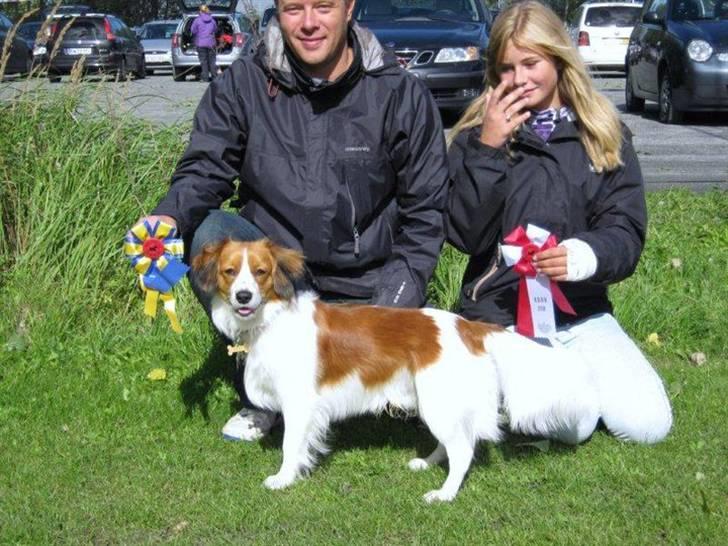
x: 260, y: 272
x: 230, y: 271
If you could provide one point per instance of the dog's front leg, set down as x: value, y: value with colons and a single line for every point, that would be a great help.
x: 296, y: 443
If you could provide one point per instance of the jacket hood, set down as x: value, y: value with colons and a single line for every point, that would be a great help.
x: 205, y: 17
x: 272, y: 56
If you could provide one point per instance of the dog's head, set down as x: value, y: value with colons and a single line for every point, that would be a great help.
x: 248, y: 274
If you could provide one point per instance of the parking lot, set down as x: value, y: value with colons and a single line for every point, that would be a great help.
x: 692, y: 154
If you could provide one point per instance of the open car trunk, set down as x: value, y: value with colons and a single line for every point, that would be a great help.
x: 223, y: 36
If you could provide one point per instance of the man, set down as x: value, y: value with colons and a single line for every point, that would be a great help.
x: 340, y: 153
x: 204, y: 29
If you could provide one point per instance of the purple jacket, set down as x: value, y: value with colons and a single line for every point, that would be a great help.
x: 203, y: 29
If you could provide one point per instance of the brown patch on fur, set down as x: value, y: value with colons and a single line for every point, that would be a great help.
x: 374, y: 342
x: 473, y: 334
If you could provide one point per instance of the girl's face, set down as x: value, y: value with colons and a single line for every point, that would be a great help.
x: 537, y: 74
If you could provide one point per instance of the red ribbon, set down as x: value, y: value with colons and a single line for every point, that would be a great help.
x: 525, y: 268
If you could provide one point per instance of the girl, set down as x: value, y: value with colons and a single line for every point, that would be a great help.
x: 541, y: 146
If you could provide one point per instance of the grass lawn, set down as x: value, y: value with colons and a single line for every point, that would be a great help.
x: 92, y: 451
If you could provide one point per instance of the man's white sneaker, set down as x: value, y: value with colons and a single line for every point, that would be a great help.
x: 249, y: 425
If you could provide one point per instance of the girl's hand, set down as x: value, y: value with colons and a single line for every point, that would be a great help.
x: 552, y: 263
x: 502, y: 113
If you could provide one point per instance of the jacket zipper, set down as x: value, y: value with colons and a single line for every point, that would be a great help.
x: 354, y: 227
x: 489, y: 274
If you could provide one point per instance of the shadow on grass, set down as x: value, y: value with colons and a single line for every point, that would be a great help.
x: 197, y: 388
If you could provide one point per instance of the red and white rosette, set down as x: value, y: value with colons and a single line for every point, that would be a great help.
x: 537, y: 294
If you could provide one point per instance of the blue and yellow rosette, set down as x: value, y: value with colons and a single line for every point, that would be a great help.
x: 156, y: 255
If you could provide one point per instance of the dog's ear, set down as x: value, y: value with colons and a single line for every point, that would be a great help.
x: 204, y: 265
x: 290, y: 265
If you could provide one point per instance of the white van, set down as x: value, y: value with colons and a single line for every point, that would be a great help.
x: 601, y: 30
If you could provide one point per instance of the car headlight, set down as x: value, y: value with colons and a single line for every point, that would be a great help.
x: 699, y: 50
x: 39, y: 50
x: 458, y: 54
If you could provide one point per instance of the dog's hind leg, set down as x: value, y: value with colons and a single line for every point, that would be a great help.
x: 436, y: 457
x: 459, y: 449
x: 297, y: 437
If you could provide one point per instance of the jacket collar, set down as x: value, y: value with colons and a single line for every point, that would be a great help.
x: 369, y: 57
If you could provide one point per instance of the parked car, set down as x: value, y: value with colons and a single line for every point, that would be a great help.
x: 28, y: 31
x: 678, y: 56
x: 104, y: 42
x: 20, y: 59
x: 230, y: 22
x: 601, y: 30
x: 443, y: 42
x: 156, y: 38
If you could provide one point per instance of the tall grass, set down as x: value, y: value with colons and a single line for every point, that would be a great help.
x: 72, y: 184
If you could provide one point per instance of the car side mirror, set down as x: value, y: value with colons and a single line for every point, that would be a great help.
x: 652, y: 18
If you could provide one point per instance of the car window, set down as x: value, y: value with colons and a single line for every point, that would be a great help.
x: 374, y: 10
x: 29, y: 31
x: 5, y: 23
x: 158, y: 31
x: 612, y: 16
x: 687, y: 10
x: 81, y: 29
x: 659, y: 7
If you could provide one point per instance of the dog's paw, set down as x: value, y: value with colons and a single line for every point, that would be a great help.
x: 278, y: 481
x: 418, y: 464
x: 439, y: 495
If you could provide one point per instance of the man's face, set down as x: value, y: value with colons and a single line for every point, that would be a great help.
x: 316, y: 32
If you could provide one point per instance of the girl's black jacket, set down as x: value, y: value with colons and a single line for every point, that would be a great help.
x: 552, y: 185
x: 353, y: 173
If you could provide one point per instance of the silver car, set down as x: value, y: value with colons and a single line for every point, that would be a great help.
x: 156, y: 38
x: 233, y: 31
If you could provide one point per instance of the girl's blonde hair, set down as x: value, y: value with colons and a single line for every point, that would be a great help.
x: 531, y: 25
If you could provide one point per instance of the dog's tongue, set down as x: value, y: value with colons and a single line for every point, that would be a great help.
x: 245, y: 311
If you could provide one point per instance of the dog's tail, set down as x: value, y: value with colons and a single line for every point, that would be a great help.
x: 546, y: 391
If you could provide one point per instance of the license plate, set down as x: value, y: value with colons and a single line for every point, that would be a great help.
x: 157, y: 58
x: 77, y: 51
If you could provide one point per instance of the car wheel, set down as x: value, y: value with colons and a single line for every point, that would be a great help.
x: 178, y: 75
x: 121, y: 71
x: 667, y: 111
x: 632, y: 103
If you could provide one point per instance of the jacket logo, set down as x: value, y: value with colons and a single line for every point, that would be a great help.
x: 364, y: 149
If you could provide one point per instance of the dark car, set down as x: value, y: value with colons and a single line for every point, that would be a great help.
x: 28, y: 31
x: 443, y: 42
x: 678, y: 56
x: 103, y: 41
x: 20, y: 56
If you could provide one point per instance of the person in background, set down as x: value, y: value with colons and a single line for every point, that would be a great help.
x: 340, y: 153
x: 203, y: 31
x: 541, y: 146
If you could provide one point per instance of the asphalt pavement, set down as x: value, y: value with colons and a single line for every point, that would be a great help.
x: 694, y: 154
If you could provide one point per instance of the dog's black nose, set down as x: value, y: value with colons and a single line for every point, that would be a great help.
x: 243, y: 296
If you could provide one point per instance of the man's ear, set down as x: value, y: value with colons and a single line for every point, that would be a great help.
x: 289, y: 266
x: 204, y: 265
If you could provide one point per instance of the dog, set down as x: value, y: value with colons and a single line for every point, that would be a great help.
x: 317, y: 363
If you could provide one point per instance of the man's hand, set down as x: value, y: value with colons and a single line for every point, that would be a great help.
x: 151, y: 220
x: 552, y: 263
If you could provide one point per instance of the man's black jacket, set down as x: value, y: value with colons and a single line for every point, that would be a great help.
x: 354, y: 172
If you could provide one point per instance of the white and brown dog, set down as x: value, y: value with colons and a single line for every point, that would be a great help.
x: 317, y: 363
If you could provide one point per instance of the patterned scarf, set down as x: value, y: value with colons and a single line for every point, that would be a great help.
x: 544, y: 122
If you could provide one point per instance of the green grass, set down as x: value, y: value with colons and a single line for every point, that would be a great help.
x: 93, y: 452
